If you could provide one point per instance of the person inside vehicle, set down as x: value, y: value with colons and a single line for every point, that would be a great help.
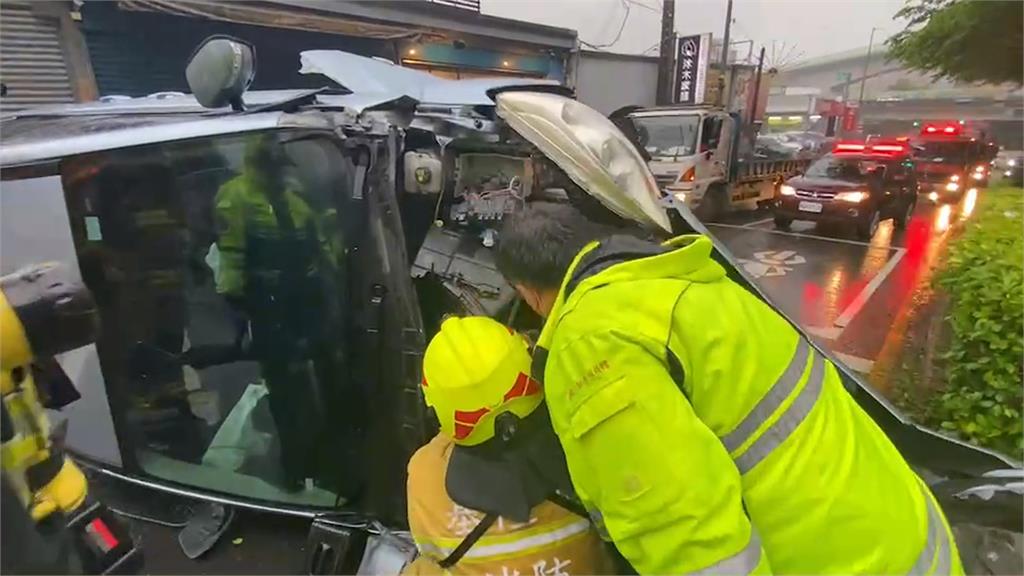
x: 698, y: 424
x: 490, y: 493
x: 274, y: 262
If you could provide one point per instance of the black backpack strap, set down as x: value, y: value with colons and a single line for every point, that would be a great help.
x: 569, y: 504
x: 468, y: 541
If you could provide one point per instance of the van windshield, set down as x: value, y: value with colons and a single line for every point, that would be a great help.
x: 220, y: 270
x: 667, y: 136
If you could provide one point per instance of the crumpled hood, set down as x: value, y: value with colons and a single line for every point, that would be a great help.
x: 595, y: 154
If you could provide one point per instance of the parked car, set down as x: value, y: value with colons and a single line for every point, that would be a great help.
x: 776, y: 147
x: 1009, y: 168
x: 858, y: 184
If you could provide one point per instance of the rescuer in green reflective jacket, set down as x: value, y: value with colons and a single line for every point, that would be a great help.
x: 699, y: 427
x: 276, y: 267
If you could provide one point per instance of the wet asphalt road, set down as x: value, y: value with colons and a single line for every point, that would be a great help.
x: 850, y: 295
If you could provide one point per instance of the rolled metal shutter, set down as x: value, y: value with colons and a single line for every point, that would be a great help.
x: 32, y: 63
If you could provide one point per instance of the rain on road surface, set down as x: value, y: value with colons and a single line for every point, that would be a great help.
x: 846, y: 293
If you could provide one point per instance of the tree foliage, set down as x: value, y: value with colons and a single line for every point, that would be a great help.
x: 965, y: 40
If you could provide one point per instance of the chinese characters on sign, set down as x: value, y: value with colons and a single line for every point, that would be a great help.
x: 691, y: 68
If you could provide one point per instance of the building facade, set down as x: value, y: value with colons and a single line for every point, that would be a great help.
x: 895, y: 100
x: 57, y: 52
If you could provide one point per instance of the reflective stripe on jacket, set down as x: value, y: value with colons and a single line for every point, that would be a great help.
x: 763, y: 462
x: 554, y: 541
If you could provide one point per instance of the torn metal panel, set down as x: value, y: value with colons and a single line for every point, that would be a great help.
x: 382, y: 79
x: 466, y: 268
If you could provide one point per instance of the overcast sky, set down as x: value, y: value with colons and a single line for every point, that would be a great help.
x: 815, y: 27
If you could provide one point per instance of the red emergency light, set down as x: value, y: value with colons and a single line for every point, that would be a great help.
x: 948, y: 129
x: 886, y: 149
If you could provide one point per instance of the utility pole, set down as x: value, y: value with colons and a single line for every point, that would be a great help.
x: 667, y: 56
x: 725, y: 37
x: 864, y: 76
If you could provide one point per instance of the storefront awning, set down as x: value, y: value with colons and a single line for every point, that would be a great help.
x: 260, y: 14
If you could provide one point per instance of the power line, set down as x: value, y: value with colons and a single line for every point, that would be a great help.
x: 651, y: 47
x: 645, y: 6
x: 618, y: 34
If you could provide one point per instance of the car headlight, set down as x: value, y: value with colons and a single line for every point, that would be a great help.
x: 854, y: 196
x: 979, y: 169
x: 954, y: 178
x: 978, y: 176
x: 680, y: 196
x: 786, y: 190
x: 933, y: 196
x: 1008, y: 173
x: 952, y: 186
x: 1011, y: 162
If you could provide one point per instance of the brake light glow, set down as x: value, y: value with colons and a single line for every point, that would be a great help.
x: 887, y: 148
x: 949, y: 129
x: 849, y: 147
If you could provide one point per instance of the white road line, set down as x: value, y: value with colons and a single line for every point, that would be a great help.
x: 798, y: 235
x: 862, y: 365
x: 858, y: 303
x: 758, y: 222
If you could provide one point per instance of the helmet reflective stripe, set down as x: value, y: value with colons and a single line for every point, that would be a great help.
x: 465, y: 421
x: 524, y: 386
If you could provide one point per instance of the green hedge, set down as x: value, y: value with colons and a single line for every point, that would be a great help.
x: 984, y: 277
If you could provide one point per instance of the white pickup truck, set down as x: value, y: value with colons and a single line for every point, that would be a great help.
x: 702, y: 156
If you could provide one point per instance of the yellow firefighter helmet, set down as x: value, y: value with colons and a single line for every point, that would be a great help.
x: 474, y: 369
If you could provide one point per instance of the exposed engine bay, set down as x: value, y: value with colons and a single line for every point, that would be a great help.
x: 458, y: 192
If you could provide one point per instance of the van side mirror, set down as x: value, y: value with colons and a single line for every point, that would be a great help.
x: 220, y: 71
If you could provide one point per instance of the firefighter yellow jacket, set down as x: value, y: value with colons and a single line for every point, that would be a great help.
x: 708, y: 436
x: 555, y: 542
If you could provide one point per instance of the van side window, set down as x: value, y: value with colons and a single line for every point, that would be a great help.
x: 220, y: 268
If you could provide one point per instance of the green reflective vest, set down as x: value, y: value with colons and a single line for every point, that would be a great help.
x: 708, y: 436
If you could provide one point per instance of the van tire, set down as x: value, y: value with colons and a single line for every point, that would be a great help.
x: 903, y: 219
x: 782, y: 223
x: 866, y: 228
